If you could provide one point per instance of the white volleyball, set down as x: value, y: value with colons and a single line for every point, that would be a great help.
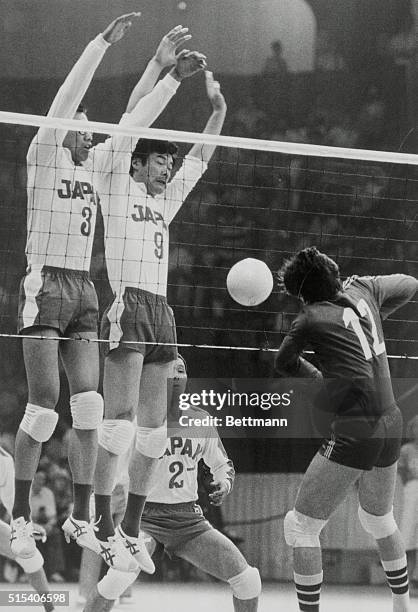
x: 249, y: 282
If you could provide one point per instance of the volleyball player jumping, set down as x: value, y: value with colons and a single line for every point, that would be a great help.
x: 136, y: 222
x: 342, y: 324
x: 57, y: 297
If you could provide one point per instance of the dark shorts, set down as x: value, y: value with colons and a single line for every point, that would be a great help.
x: 59, y: 298
x: 173, y: 524
x: 145, y: 321
x: 381, y: 449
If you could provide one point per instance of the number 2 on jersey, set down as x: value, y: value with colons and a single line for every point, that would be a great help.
x: 350, y: 317
x: 176, y: 468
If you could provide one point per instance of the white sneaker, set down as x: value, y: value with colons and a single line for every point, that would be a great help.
x: 137, y: 548
x: 82, y: 532
x: 22, y: 541
x: 115, y: 554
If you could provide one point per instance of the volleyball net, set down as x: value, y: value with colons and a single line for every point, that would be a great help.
x: 258, y: 198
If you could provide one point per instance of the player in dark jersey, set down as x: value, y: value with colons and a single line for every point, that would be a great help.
x: 342, y: 324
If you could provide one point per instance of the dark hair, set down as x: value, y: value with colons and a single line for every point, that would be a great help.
x: 311, y: 275
x: 146, y: 146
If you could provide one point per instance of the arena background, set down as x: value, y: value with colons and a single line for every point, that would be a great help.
x: 351, y: 83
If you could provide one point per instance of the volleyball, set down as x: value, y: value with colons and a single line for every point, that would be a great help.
x: 249, y: 282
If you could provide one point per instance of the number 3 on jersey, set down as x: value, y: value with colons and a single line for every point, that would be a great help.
x: 351, y: 318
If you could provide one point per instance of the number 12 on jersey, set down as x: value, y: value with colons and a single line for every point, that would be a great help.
x: 351, y: 318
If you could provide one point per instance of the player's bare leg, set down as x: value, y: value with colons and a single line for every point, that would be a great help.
x: 215, y: 554
x: 81, y: 362
x: 150, y: 442
x: 37, y: 426
x: 90, y: 568
x: 122, y: 374
x: 376, y: 493
x: 324, y: 486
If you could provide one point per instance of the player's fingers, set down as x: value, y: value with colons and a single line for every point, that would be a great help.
x: 175, y: 35
x: 183, y: 53
x: 180, y: 41
x: 128, y: 16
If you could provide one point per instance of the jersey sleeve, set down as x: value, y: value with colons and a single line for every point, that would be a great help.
x: 115, y: 153
x: 391, y: 291
x: 215, y: 457
x: 67, y: 100
x: 288, y: 355
x: 182, y: 184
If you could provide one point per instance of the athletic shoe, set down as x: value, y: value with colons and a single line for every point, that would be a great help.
x: 22, y: 541
x: 82, y: 532
x: 116, y: 555
x: 137, y: 548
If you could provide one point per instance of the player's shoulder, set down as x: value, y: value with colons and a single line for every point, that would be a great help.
x: 198, y: 412
x: 362, y: 284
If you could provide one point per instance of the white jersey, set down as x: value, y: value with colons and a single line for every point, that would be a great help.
x: 136, y: 227
x: 175, y: 477
x: 62, y: 198
x: 7, y: 480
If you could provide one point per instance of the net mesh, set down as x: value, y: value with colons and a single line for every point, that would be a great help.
x: 251, y: 202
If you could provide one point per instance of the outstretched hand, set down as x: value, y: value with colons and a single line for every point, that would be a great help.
x: 189, y: 63
x: 117, y: 29
x: 166, y: 51
x: 213, y: 90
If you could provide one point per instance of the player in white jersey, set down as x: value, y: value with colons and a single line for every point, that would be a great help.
x: 173, y: 518
x: 139, y: 324
x: 57, y: 297
x: 33, y: 566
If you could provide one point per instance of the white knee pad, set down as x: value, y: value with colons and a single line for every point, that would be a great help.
x: 86, y: 410
x: 116, y: 435
x: 247, y: 585
x: 302, y: 531
x: 114, y: 583
x: 31, y: 565
x: 150, y: 441
x: 378, y: 526
x: 38, y: 422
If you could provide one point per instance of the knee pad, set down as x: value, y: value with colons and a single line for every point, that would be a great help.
x: 114, y: 583
x: 86, y: 410
x: 151, y: 441
x: 247, y: 584
x: 116, y: 435
x: 378, y: 526
x: 32, y: 565
x: 302, y: 531
x: 38, y: 422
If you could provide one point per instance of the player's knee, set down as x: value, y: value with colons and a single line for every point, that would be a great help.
x: 38, y: 422
x: 31, y: 565
x: 114, y: 583
x: 86, y: 410
x: 378, y: 526
x: 301, y: 530
x: 151, y: 441
x: 116, y: 435
x: 247, y: 584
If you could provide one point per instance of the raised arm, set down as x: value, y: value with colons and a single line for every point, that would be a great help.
x: 216, y: 120
x: 116, y: 151
x: 165, y: 56
x: 72, y: 91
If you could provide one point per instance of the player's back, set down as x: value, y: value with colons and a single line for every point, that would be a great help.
x: 347, y: 336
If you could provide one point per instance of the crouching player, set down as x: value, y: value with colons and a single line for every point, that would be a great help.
x: 33, y: 567
x: 173, y: 518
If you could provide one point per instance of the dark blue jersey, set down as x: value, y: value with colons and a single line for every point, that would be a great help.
x: 347, y: 338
